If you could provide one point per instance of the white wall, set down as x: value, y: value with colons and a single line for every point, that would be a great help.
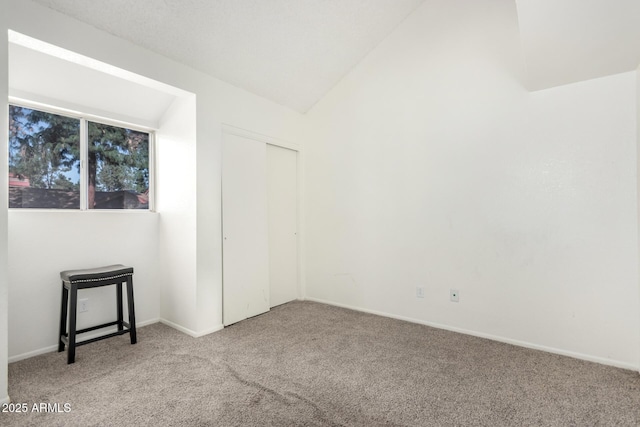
x: 638, y: 181
x: 430, y: 165
x: 189, y: 231
x: 4, y: 197
x: 43, y: 243
x: 38, y: 75
x: 176, y: 200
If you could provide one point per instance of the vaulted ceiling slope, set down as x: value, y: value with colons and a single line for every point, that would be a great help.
x: 566, y: 41
x: 289, y: 51
x: 294, y: 51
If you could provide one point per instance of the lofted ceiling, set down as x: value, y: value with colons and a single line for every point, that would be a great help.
x: 294, y: 51
x: 566, y: 41
x: 289, y: 51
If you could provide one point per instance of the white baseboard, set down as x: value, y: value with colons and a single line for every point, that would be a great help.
x: 210, y: 330
x: 33, y: 353
x: 189, y: 331
x: 581, y: 356
x: 53, y: 348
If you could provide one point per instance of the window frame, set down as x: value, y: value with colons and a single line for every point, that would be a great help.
x: 84, y: 119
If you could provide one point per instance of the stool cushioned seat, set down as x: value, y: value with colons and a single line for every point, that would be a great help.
x: 96, y: 274
x: 74, y: 280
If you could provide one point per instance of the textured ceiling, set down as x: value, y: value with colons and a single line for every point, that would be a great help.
x: 294, y: 51
x: 289, y: 51
x: 566, y: 41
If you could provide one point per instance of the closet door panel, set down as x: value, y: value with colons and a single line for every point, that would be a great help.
x: 244, y: 228
x: 282, y: 191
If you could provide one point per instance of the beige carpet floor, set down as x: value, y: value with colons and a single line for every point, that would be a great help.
x: 308, y: 364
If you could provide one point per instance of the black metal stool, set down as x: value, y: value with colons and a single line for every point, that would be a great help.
x: 72, y: 280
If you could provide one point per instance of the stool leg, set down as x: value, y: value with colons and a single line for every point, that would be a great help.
x: 71, y: 353
x: 63, y: 317
x: 132, y: 312
x: 119, y: 302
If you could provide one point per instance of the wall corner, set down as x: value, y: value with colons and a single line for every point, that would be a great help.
x: 638, y: 199
x: 4, y: 293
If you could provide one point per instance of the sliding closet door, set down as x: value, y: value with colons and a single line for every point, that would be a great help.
x: 282, y: 191
x: 244, y: 228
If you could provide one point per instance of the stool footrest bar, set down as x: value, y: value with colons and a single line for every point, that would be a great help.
x: 93, y: 328
x: 103, y: 337
x: 126, y: 330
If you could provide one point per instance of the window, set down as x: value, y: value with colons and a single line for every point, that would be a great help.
x: 44, y: 160
x: 62, y: 162
x: 118, y: 172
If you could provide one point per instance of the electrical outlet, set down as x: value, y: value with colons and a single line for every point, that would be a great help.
x: 419, y: 292
x: 454, y: 295
x: 83, y: 305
